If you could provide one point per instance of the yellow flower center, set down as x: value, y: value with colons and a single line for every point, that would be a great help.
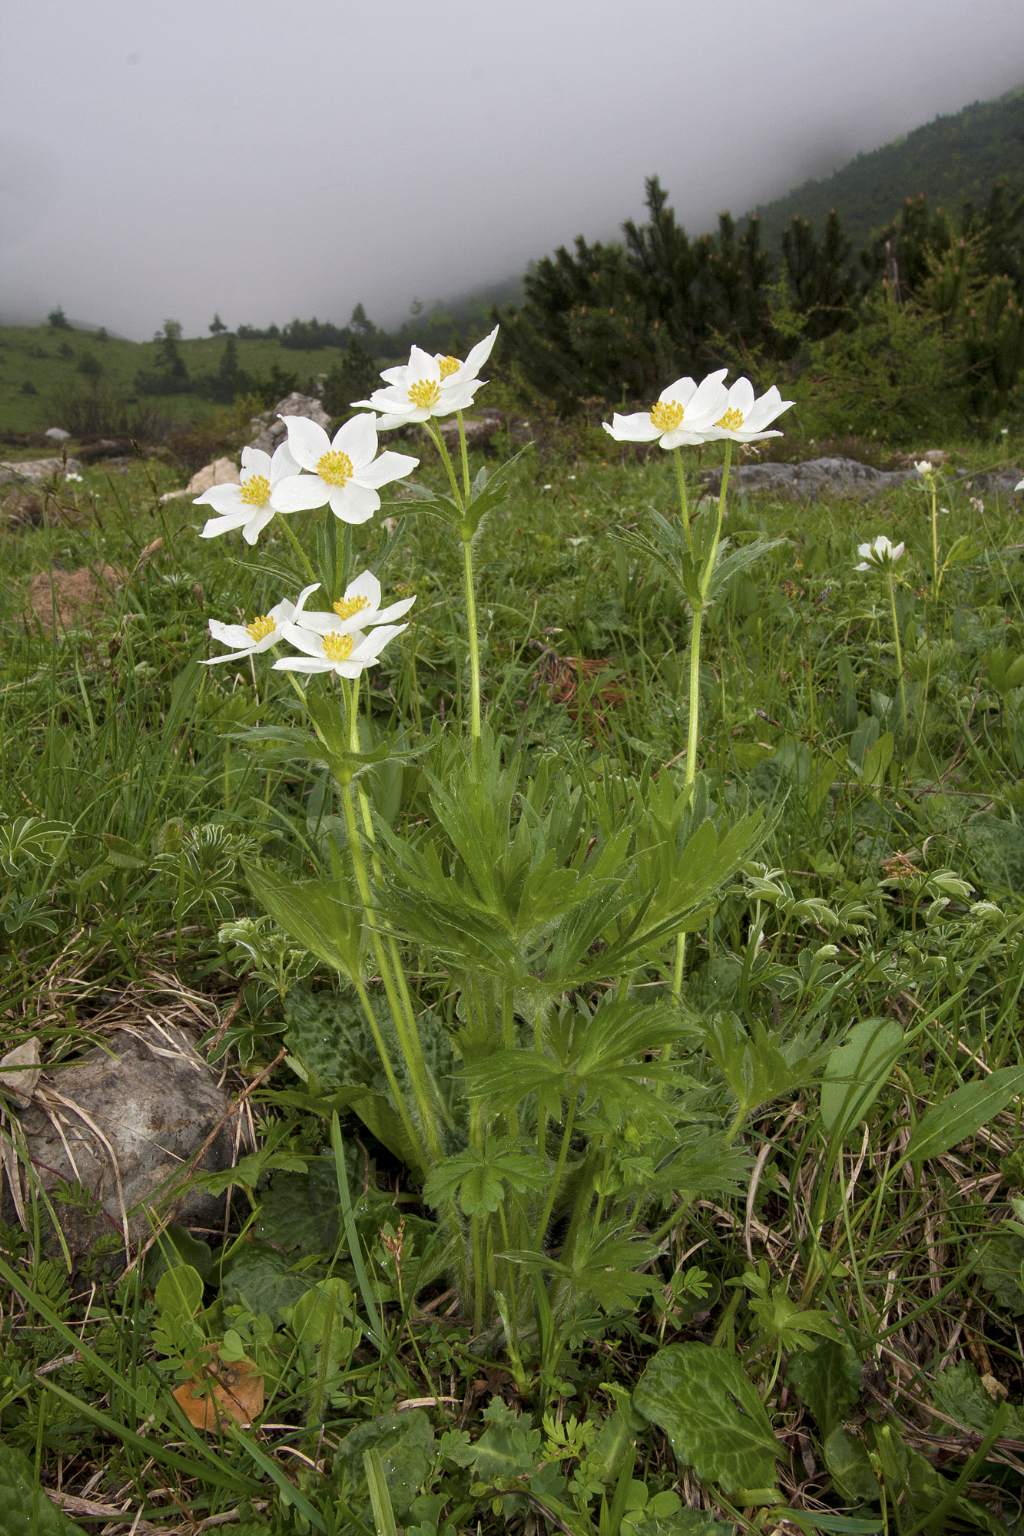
x: 260, y: 627
x: 334, y: 468
x: 731, y: 421
x: 337, y: 647
x: 424, y: 393
x: 448, y: 366
x: 666, y: 415
x: 256, y: 491
x: 345, y: 607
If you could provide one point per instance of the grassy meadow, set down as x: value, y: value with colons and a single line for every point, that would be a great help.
x: 760, y: 1272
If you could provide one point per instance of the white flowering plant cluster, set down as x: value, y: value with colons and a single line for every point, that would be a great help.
x: 504, y: 886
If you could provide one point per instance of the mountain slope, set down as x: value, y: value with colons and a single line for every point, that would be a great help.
x: 952, y: 160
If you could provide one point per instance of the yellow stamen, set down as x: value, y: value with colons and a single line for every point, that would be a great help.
x: 345, y: 607
x: 256, y: 491
x: 337, y: 647
x: 666, y: 415
x: 335, y: 468
x: 731, y: 421
x: 260, y: 627
x: 448, y: 366
x: 424, y: 393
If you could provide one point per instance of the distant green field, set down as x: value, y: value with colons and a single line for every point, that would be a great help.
x: 34, y: 356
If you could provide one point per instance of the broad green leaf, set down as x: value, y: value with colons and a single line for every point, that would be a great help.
x: 957, y: 1117
x: 827, y: 1379
x: 711, y: 1414
x: 318, y: 914
x: 877, y: 759
x: 24, y: 1508
x: 179, y: 1295
x: 404, y: 1444
x: 856, y: 1074
x: 847, y: 1461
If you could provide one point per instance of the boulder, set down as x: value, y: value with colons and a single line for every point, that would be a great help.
x: 813, y: 479
x: 109, y: 1135
x: 37, y: 470
x: 220, y: 472
x: 57, y: 434
x: 268, y: 432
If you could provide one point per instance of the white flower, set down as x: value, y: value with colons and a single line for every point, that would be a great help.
x: 429, y: 385
x: 878, y: 554
x: 683, y: 414
x: 745, y: 419
x: 1019, y: 486
x: 346, y: 654
x: 260, y: 634
x: 344, y: 473
x: 72, y: 476
x: 250, y: 505
x: 359, y: 608
x: 925, y: 467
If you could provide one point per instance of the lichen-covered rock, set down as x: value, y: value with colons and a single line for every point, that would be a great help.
x: 268, y: 431
x: 109, y: 1135
x: 37, y: 470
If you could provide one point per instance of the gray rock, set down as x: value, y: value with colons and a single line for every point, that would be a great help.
x: 122, y: 1123
x: 37, y: 470
x: 815, y: 478
x: 268, y: 432
x: 984, y: 482
x: 57, y: 434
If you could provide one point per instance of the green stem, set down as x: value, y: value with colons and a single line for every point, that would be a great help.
x: 293, y: 537
x: 936, y: 578
x: 464, y: 452
x: 385, y: 1060
x: 474, y: 641
x: 434, y: 433
x: 556, y: 1182
x: 898, y: 646
x: 684, y: 511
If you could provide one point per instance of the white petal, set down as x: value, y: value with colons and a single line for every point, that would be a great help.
x: 211, y: 661
x: 357, y: 438
x: 302, y: 664
x: 370, y: 647
x: 256, y: 524
x: 365, y: 585
x: 353, y: 503
x: 218, y: 525
x: 388, y: 467
x: 303, y: 640
x: 231, y: 634
x: 300, y: 493
x: 422, y: 365
x: 306, y: 593
x: 282, y: 464
x: 395, y: 611
x: 395, y: 375
x: 307, y: 440
x: 222, y: 498
x: 741, y: 397
x: 637, y: 428
x: 256, y: 462
x: 476, y: 358
x: 682, y: 390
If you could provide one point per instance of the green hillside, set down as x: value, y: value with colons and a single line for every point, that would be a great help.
x: 42, y: 368
x: 953, y: 160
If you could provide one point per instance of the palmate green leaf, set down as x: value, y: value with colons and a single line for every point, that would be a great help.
x: 712, y: 1415
x: 319, y: 915
x: 606, y: 1266
x: 759, y: 1066
x: 603, y: 1058
x: 856, y: 1074
x: 957, y: 1117
x: 24, y: 1508
x: 479, y: 1178
x: 489, y: 489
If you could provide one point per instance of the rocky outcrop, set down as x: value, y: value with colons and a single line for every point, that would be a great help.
x: 268, y: 431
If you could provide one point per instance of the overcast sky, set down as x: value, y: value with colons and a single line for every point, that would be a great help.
x: 270, y: 160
